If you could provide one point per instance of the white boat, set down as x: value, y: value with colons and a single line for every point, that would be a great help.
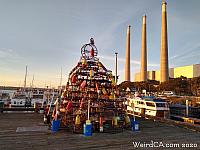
x: 5, y: 98
x: 30, y: 96
x: 147, y: 106
x: 22, y: 96
x: 50, y: 95
x: 19, y: 99
x: 37, y: 96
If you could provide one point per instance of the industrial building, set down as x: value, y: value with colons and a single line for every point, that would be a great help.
x: 189, y: 71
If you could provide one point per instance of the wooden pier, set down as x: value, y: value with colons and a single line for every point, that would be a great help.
x: 7, y: 109
x: 35, y: 135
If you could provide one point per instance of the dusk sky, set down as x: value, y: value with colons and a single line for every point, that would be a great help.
x: 46, y: 35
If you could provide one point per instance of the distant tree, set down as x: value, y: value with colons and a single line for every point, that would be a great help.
x: 149, y: 85
x: 180, y: 86
x: 126, y: 84
x: 195, y: 85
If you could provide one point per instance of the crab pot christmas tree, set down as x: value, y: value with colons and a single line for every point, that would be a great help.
x: 91, y: 94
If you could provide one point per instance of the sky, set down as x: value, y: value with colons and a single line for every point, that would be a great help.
x: 46, y: 35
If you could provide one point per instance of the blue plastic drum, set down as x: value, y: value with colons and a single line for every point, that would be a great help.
x: 55, y: 125
x: 87, y: 129
x: 134, y: 125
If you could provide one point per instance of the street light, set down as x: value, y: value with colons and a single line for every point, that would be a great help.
x: 116, y: 67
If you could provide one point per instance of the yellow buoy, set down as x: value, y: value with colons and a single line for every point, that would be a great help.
x: 91, y: 73
x: 111, y: 96
x: 113, y: 81
x: 64, y: 93
x: 78, y: 120
x: 115, y: 121
x: 104, y: 91
x: 99, y: 64
x: 88, y: 122
x: 127, y: 119
x: 83, y: 62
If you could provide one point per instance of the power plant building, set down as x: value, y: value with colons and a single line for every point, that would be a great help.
x: 189, y: 71
x: 151, y: 75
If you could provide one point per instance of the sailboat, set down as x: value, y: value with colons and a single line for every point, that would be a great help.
x: 22, y: 96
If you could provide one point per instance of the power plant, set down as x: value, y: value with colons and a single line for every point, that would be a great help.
x: 164, y: 64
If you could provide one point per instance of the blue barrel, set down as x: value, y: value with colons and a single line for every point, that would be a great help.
x: 134, y: 125
x: 55, y: 125
x: 87, y: 129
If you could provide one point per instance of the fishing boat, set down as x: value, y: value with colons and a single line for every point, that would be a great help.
x: 22, y: 96
x: 20, y: 99
x: 37, y: 96
x: 147, y: 106
x: 5, y: 98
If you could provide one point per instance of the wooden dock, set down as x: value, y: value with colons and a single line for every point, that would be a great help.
x: 35, y: 136
x: 7, y: 109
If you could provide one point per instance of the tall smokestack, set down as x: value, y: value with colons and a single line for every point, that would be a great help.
x: 164, y: 66
x: 143, y: 71
x: 127, y: 65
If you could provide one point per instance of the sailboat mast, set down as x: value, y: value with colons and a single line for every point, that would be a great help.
x: 25, y: 78
x: 32, y: 81
x: 60, y: 82
x: 61, y: 78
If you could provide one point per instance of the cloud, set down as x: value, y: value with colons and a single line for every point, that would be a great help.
x: 5, y: 52
x: 187, y: 51
x: 9, y: 58
x: 135, y: 62
x: 9, y: 54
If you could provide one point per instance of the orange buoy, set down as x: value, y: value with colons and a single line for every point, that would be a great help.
x: 101, y: 124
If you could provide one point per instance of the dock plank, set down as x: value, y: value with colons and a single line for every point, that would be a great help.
x: 149, y: 131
